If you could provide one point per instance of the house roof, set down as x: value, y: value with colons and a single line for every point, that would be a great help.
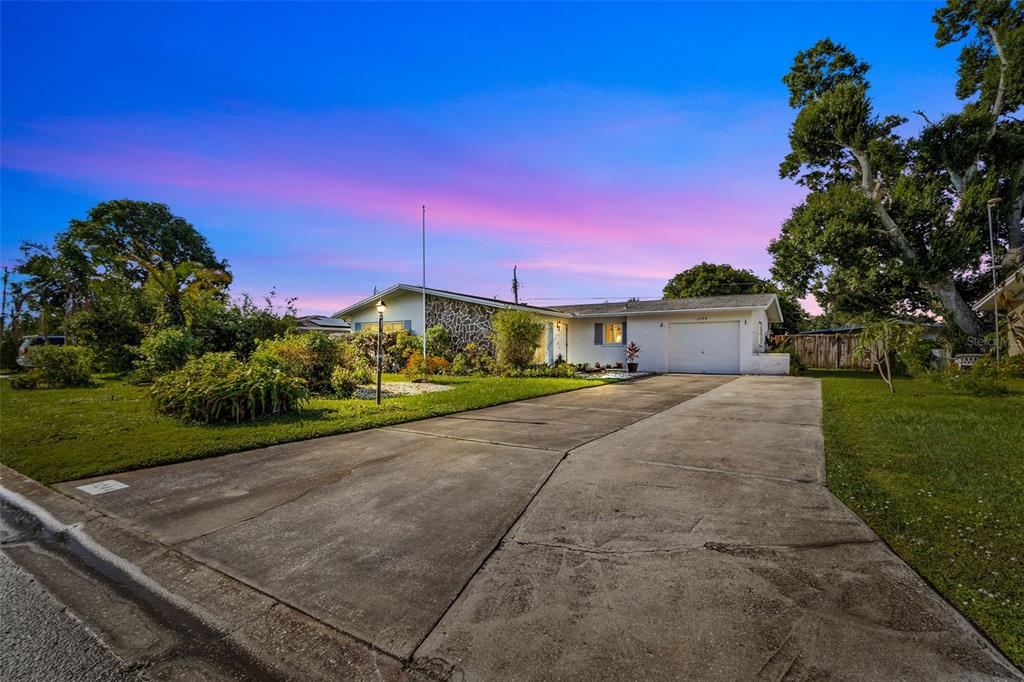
x: 470, y: 298
x: 672, y: 305
x: 1012, y: 285
x: 322, y: 321
x: 852, y: 328
x: 769, y: 302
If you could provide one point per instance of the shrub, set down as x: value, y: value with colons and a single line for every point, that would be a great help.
x: 311, y: 357
x: 225, y: 326
x: 111, y: 330
x: 164, y: 351
x: 563, y: 370
x: 439, y: 342
x: 416, y: 368
x: 985, y: 377
x: 344, y: 382
x: 396, y: 348
x: 516, y: 336
x: 9, y: 344
x: 975, y: 383
x: 26, y: 380
x: 472, y: 360
x: 219, y: 387
x: 57, y: 367
x: 1007, y: 367
x: 460, y: 365
x: 796, y: 364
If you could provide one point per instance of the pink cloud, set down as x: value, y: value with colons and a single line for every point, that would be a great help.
x: 466, y: 191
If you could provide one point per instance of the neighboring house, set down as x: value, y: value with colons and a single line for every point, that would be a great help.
x: 318, y: 323
x: 931, y: 330
x: 1010, y: 299
x: 714, y: 334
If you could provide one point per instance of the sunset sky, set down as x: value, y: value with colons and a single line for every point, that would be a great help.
x: 601, y: 148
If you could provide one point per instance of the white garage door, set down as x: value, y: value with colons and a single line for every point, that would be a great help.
x: 704, y: 347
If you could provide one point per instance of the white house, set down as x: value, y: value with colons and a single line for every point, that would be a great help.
x: 714, y: 334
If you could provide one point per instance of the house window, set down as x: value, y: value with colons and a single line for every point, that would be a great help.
x: 394, y: 326
x: 612, y: 333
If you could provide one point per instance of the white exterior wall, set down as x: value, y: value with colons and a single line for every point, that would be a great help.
x: 402, y: 306
x: 581, y: 342
x: 651, y: 333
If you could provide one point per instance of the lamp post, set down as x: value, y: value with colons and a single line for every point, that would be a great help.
x: 380, y: 332
x: 992, y: 203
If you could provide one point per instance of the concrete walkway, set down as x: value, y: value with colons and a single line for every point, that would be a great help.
x: 674, y: 527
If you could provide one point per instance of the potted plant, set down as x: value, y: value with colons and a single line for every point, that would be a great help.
x: 632, y: 351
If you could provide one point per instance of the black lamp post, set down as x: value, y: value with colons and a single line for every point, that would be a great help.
x: 380, y: 333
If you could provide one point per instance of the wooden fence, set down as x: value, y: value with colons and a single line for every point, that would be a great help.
x: 825, y: 351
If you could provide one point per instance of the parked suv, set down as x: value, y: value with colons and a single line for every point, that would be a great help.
x: 23, y: 357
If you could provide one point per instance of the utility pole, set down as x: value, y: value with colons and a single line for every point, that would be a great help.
x: 424, y: 287
x: 515, y: 285
x: 992, y: 203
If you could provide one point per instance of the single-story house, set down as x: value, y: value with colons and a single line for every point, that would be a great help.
x: 714, y: 334
x: 1009, y: 296
x: 320, y: 323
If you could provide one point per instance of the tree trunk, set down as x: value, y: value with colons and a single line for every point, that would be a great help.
x: 956, y: 309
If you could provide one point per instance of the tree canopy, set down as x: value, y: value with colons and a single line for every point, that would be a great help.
x: 711, y: 279
x: 896, y: 223
x: 123, y: 245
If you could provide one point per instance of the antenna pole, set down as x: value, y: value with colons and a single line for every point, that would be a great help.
x: 515, y: 285
x: 424, y: 285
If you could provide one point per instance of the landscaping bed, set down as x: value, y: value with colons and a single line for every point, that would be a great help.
x: 940, y: 476
x: 63, y: 434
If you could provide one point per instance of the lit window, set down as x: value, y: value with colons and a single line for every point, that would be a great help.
x: 613, y: 333
x: 394, y: 326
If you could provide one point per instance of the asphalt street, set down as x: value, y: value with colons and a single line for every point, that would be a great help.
x: 41, y: 641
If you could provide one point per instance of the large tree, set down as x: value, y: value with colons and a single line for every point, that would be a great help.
x: 711, y: 279
x: 124, y: 244
x: 895, y: 223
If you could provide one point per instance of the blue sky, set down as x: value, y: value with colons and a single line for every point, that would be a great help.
x: 601, y: 148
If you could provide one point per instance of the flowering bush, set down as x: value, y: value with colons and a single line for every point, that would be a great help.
x: 416, y: 368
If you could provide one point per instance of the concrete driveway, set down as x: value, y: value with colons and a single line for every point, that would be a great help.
x: 674, y: 527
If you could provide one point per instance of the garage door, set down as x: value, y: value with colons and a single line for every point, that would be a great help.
x: 704, y: 347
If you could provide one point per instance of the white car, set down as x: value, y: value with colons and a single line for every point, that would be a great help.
x: 23, y: 357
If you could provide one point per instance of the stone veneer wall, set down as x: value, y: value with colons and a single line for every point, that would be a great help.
x: 465, y: 322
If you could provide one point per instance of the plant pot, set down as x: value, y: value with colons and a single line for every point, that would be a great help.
x: 631, y: 367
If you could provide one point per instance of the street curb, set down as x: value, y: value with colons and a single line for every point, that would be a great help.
x: 288, y: 642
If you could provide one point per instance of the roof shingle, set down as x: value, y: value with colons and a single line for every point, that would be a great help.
x: 668, y: 304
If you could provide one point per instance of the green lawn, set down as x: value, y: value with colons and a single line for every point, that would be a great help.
x: 940, y: 476
x: 63, y: 434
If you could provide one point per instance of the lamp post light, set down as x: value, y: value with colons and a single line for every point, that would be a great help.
x: 380, y: 332
x: 992, y: 203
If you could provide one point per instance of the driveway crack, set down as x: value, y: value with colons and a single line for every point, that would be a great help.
x: 728, y: 472
x: 596, y: 550
x: 739, y: 549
